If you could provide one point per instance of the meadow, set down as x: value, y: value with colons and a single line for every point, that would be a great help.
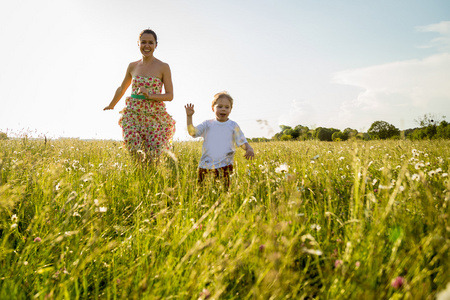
x: 303, y: 220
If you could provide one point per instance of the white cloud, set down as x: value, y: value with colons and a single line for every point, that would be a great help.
x: 300, y: 113
x: 398, y: 91
x: 443, y: 41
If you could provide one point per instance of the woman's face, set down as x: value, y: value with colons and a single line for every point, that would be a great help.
x: 147, y: 44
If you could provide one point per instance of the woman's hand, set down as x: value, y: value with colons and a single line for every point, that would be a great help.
x: 143, y: 91
x: 189, y: 109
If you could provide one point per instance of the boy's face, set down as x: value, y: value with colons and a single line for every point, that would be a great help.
x: 222, y: 109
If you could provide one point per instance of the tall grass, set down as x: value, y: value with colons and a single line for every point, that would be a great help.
x: 349, y: 220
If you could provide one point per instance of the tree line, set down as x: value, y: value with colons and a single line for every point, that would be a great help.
x: 430, y: 127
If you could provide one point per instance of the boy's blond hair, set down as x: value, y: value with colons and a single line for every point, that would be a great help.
x: 223, y: 94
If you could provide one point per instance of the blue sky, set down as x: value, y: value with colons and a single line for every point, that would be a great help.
x: 316, y: 63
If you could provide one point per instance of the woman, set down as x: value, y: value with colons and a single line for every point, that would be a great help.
x: 145, y: 123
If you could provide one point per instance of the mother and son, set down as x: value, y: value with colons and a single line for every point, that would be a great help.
x: 147, y: 127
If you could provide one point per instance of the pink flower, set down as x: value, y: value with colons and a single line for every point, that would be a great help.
x: 37, y: 239
x: 262, y: 247
x: 338, y: 263
x: 205, y: 294
x: 357, y: 264
x: 398, y: 282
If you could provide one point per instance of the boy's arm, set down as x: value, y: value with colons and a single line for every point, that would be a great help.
x: 189, y: 112
x: 249, y: 153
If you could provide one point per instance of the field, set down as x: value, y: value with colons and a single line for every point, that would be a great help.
x: 304, y: 220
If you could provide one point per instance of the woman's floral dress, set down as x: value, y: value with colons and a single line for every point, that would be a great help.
x: 146, y: 125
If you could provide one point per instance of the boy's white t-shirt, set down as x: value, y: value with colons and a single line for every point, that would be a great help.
x: 219, y: 142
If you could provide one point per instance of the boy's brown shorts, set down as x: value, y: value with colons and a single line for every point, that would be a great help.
x: 220, y: 173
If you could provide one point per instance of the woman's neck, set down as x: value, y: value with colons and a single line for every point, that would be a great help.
x: 147, y: 59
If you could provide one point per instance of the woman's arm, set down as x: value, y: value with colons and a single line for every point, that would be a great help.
x: 121, y: 89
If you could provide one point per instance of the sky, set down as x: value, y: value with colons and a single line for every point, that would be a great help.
x: 316, y: 63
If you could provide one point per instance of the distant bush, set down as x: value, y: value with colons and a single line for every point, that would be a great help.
x: 3, y: 136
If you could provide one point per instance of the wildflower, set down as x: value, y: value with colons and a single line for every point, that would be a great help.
x: 37, y: 239
x: 444, y: 294
x: 398, y: 282
x: 338, y: 263
x: 282, y: 168
x: 313, y: 251
x: 444, y: 175
x: 313, y: 162
x: 316, y: 157
x: 205, y: 294
x: 357, y: 264
x: 316, y: 227
x: 25, y: 263
x: 415, y: 177
x: 341, y: 158
x: 262, y: 247
x: 14, y: 218
x: 14, y: 225
x: 419, y: 165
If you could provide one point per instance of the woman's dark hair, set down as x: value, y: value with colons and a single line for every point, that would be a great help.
x: 149, y: 31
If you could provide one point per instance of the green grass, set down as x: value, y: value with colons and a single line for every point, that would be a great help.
x: 82, y: 220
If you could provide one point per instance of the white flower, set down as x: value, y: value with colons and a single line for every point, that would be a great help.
x: 419, y: 165
x: 444, y: 174
x: 312, y: 251
x: 14, y: 218
x: 13, y: 225
x: 341, y: 158
x: 316, y: 227
x: 415, y: 177
x: 282, y: 168
x: 102, y: 209
x: 374, y: 181
x: 444, y: 294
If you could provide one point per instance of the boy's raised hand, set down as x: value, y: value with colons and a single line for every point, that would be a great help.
x: 189, y: 109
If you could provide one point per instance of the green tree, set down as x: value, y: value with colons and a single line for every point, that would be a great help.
x: 383, y: 130
x: 3, y: 136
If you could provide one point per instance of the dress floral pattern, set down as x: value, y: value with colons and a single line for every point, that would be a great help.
x: 146, y: 125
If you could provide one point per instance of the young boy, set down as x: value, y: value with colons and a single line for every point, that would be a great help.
x: 220, y: 137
